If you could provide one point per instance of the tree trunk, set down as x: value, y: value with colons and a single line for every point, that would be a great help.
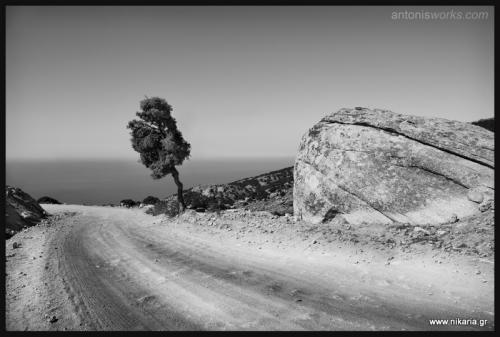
x: 180, y: 197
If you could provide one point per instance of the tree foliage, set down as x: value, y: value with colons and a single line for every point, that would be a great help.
x: 158, y: 141
x: 128, y: 203
x: 156, y: 138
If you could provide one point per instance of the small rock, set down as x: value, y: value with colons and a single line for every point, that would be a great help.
x: 486, y: 205
x: 53, y: 319
x: 478, y: 272
x: 462, y: 245
x: 441, y: 233
x: 454, y: 218
x: 16, y: 245
x: 475, y: 196
x: 28, y: 215
x: 420, y: 229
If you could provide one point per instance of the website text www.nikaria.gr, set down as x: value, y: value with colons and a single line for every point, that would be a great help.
x: 459, y: 322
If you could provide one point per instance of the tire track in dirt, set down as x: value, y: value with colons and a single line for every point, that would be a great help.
x: 101, y: 296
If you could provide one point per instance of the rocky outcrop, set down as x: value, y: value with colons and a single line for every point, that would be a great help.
x: 21, y: 210
x: 487, y: 123
x: 377, y: 166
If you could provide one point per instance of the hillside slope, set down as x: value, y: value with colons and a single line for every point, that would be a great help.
x: 270, y: 191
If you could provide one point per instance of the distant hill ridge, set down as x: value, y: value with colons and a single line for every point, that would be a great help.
x: 253, y: 188
x: 272, y: 186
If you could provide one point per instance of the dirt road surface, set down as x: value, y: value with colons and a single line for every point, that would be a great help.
x: 108, y: 268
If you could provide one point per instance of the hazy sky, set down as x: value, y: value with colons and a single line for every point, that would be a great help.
x: 243, y: 81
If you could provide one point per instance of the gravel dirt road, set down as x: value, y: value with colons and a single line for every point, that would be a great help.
x: 108, y: 268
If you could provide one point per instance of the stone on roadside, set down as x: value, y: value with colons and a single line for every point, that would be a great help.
x: 488, y: 204
x: 421, y: 230
x: 453, y: 218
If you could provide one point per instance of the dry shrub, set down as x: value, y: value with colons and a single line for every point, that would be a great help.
x: 167, y: 207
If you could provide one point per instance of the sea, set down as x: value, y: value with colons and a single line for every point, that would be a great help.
x: 107, y: 181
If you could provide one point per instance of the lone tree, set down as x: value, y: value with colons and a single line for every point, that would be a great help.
x: 160, y: 144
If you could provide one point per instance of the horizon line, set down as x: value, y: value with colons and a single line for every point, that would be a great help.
x: 137, y: 159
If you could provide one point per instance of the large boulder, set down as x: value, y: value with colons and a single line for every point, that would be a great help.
x: 21, y: 210
x: 377, y: 166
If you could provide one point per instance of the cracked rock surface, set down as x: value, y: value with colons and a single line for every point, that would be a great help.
x: 377, y: 166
